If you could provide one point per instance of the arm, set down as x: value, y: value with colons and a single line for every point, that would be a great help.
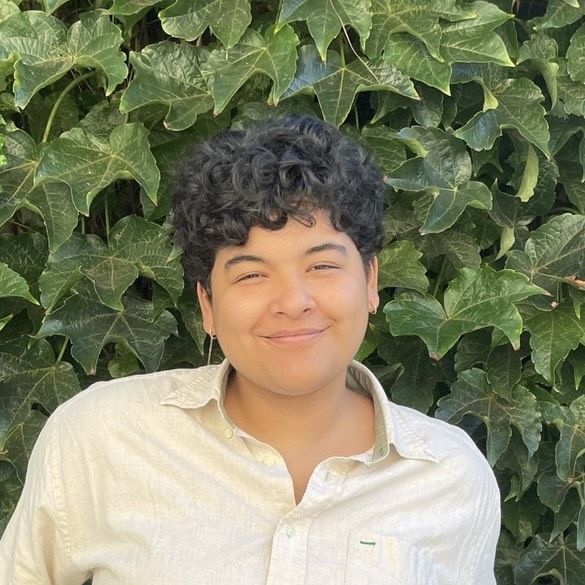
x: 35, y: 548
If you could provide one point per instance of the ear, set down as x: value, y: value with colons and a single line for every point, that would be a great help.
x: 205, y: 304
x: 372, y: 283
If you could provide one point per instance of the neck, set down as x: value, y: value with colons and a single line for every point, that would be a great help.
x: 288, y: 421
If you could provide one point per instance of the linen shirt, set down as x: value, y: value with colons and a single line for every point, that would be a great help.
x: 145, y: 481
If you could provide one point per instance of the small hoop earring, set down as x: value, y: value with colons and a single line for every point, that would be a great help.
x: 210, y: 349
x: 373, y: 310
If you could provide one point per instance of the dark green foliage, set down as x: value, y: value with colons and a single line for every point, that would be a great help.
x: 476, y: 113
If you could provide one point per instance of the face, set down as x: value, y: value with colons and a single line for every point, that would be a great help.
x: 290, y: 307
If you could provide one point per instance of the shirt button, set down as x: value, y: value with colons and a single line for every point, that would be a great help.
x: 290, y: 530
x: 229, y: 433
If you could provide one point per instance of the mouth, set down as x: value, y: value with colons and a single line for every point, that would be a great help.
x: 294, y: 336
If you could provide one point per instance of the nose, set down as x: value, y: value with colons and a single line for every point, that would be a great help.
x: 292, y: 297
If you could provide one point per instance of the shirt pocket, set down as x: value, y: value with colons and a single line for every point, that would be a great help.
x: 380, y: 559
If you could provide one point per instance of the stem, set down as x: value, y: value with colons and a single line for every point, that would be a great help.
x: 342, y: 51
x: 107, y: 217
x: 440, y: 276
x: 83, y: 225
x: 59, y: 101
x: 63, y: 348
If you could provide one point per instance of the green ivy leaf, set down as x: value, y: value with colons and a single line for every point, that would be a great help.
x: 14, y: 285
x: 131, y: 7
x: 571, y: 93
x: 387, y: 149
x: 417, y: 375
x: 553, y: 335
x: 474, y: 299
x: 336, y: 84
x: 504, y: 369
x: 472, y: 394
x: 400, y: 266
x: 419, y: 19
x: 559, y: 13
x: 518, y: 107
x: 32, y: 377
x: 136, y: 247
x: 93, y: 42
x: 410, y: 55
x: 90, y: 325
x: 16, y: 177
x: 170, y: 74
x: 460, y: 248
x: 443, y: 168
x: 24, y: 253
x: 554, y: 251
x: 542, y: 52
x: 473, y: 40
x: 559, y: 559
x: 576, y: 56
x: 188, y: 19
x: 274, y: 55
x: 87, y: 164
x: 39, y: 42
x: 45, y: 51
x: 7, y: 9
x: 570, y: 448
x: 53, y: 203
x: 325, y: 19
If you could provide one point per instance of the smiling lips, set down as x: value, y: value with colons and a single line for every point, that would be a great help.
x: 294, y: 336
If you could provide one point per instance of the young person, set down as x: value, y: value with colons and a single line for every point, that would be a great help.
x: 285, y: 464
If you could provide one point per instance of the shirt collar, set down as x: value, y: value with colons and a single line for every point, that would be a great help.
x: 208, y: 383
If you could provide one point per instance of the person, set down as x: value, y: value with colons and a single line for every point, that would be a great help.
x: 286, y: 463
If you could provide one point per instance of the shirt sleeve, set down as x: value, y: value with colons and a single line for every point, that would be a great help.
x: 35, y: 547
x: 486, y: 529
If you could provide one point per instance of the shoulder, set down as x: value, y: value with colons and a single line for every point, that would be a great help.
x: 458, y: 457
x: 129, y: 400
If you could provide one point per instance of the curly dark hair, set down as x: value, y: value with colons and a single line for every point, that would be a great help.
x: 284, y: 168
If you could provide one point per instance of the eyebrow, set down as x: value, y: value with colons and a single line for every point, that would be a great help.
x: 328, y: 246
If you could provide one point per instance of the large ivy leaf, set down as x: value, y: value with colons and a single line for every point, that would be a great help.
x: 559, y: 559
x: 542, y: 52
x: 90, y: 325
x: 559, y: 13
x: 472, y: 394
x: 188, y: 19
x: 136, y: 247
x: 336, y: 84
x: 93, y: 42
x: 14, y: 285
x: 26, y: 379
x: 443, y: 169
x: 518, y: 107
x: 52, y: 202
x: 274, y: 55
x: 45, y: 51
x: 400, y: 266
x: 570, y: 448
x: 325, y: 19
x: 473, y: 40
x: 24, y: 253
x: 170, y: 74
x: 419, y: 19
x: 418, y: 373
x: 410, y: 55
x: 576, y: 56
x: 87, y: 164
x: 553, y: 335
x: 386, y: 148
x: 554, y: 251
x: 16, y: 177
x: 474, y: 299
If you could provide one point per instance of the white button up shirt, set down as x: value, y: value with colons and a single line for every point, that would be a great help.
x: 145, y: 481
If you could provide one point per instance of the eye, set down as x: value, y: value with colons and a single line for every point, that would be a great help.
x: 325, y: 267
x: 249, y: 276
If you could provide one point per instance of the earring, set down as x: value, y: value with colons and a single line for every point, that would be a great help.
x: 373, y: 309
x: 211, y: 339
